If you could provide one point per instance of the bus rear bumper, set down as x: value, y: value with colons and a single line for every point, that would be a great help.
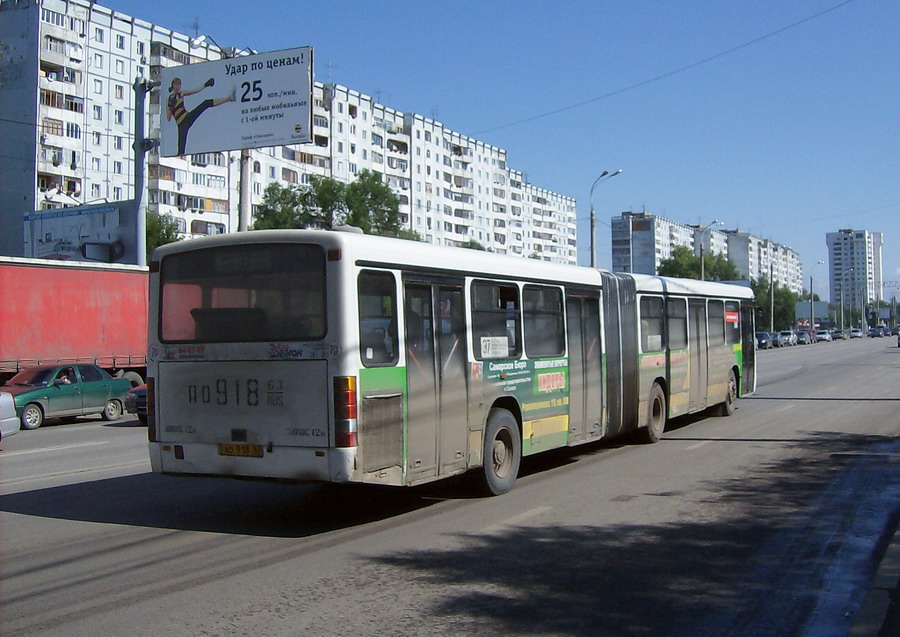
x: 301, y: 464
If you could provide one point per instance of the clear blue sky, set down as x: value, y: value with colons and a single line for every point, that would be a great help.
x: 788, y: 136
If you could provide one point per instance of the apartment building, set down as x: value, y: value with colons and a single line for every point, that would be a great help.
x: 854, y: 263
x: 642, y: 240
x: 73, y: 142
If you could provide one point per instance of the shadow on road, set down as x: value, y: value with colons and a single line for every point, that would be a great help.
x: 781, y: 554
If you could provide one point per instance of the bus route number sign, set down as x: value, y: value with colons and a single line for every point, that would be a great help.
x: 249, y: 392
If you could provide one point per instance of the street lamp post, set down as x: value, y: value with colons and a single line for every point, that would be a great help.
x: 709, y: 228
x: 604, y: 176
x: 812, y: 313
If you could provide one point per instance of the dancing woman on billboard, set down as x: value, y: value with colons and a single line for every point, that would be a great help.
x: 183, y: 117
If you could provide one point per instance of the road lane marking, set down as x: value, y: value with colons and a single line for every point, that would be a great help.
x: 697, y: 445
x: 58, y: 448
x: 516, y: 519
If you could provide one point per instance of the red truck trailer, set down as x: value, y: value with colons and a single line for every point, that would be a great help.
x: 64, y: 311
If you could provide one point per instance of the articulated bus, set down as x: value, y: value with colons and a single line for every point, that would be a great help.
x: 307, y: 355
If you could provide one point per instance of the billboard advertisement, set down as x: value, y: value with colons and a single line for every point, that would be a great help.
x: 105, y: 233
x: 250, y: 101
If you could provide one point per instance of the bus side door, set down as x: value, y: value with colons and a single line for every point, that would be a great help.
x: 437, y: 429
x: 585, y: 374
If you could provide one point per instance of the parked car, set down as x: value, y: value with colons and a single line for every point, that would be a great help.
x: 9, y: 421
x: 787, y: 337
x: 824, y: 335
x: 53, y: 391
x: 136, y: 402
x: 840, y: 335
x: 764, y: 340
x: 876, y: 332
x: 855, y: 332
x: 804, y: 338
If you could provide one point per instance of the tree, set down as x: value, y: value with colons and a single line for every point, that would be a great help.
x: 785, y: 304
x: 367, y: 203
x: 160, y: 230
x: 472, y: 244
x: 682, y: 264
x: 685, y: 264
x: 372, y: 205
x: 281, y: 207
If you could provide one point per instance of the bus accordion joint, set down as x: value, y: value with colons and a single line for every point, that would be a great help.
x: 345, y: 411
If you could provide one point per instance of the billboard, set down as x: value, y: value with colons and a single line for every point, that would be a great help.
x: 105, y: 233
x: 250, y: 101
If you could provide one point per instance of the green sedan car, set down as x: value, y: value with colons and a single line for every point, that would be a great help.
x: 54, y: 391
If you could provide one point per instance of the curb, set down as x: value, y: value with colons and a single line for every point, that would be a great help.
x: 879, y: 614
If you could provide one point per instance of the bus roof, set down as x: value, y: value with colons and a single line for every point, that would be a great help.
x: 374, y: 251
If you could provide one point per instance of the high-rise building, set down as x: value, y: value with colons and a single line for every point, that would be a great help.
x: 68, y: 141
x: 641, y: 241
x: 854, y: 263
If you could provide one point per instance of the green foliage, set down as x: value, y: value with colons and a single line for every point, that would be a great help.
x: 160, y: 231
x: 785, y: 304
x: 472, y: 244
x: 685, y: 264
x: 367, y: 203
x: 372, y: 206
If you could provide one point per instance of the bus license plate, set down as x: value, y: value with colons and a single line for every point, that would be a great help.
x: 249, y: 451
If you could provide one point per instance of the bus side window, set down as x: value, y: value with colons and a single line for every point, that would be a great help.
x: 496, y: 322
x: 544, y: 331
x: 716, y: 313
x: 377, y: 319
x: 652, y: 324
x: 676, y: 313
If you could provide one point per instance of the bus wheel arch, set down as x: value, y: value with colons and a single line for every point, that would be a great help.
x: 501, y: 451
x: 657, y: 414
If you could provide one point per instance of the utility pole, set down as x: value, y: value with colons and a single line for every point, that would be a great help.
x: 141, y: 147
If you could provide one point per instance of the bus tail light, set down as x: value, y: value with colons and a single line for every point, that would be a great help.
x: 345, y: 411
x: 151, y: 410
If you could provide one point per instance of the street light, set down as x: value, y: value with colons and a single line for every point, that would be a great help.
x: 812, y: 314
x: 604, y: 176
x: 714, y: 223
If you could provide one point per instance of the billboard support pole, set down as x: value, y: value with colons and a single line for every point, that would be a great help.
x: 141, y: 146
x: 244, y: 199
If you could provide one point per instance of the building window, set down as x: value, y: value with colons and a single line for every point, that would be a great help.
x: 120, y: 117
x: 120, y: 92
x: 117, y: 167
x: 98, y: 34
x: 117, y: 193
x: 120, y: 42
x: 98, y: 112
x: 73, y: 130
x: 118, y: 142
x: 98, y: 87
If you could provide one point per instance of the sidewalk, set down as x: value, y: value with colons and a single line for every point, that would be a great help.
x: 879, y: 615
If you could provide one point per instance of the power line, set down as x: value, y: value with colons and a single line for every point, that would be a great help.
x: 668, y: 73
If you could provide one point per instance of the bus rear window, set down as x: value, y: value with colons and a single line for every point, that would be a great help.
x: 243, y: 293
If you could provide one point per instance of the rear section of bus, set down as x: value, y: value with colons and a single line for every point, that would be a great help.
x: 243, y: 362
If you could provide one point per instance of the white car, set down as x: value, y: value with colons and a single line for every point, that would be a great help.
x: 824, y: 335
x: 787, y: 337
x: 9, y: 422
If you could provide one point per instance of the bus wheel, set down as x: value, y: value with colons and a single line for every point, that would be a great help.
x: 502, y: 453
x: 656, y: 417
x: 727, y: 408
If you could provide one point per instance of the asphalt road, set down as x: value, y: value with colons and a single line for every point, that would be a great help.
x: 769, y: 522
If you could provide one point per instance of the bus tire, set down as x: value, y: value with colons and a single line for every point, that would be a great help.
x: 727, y: 408
x: 502, y: 453
x: 653, y: 430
